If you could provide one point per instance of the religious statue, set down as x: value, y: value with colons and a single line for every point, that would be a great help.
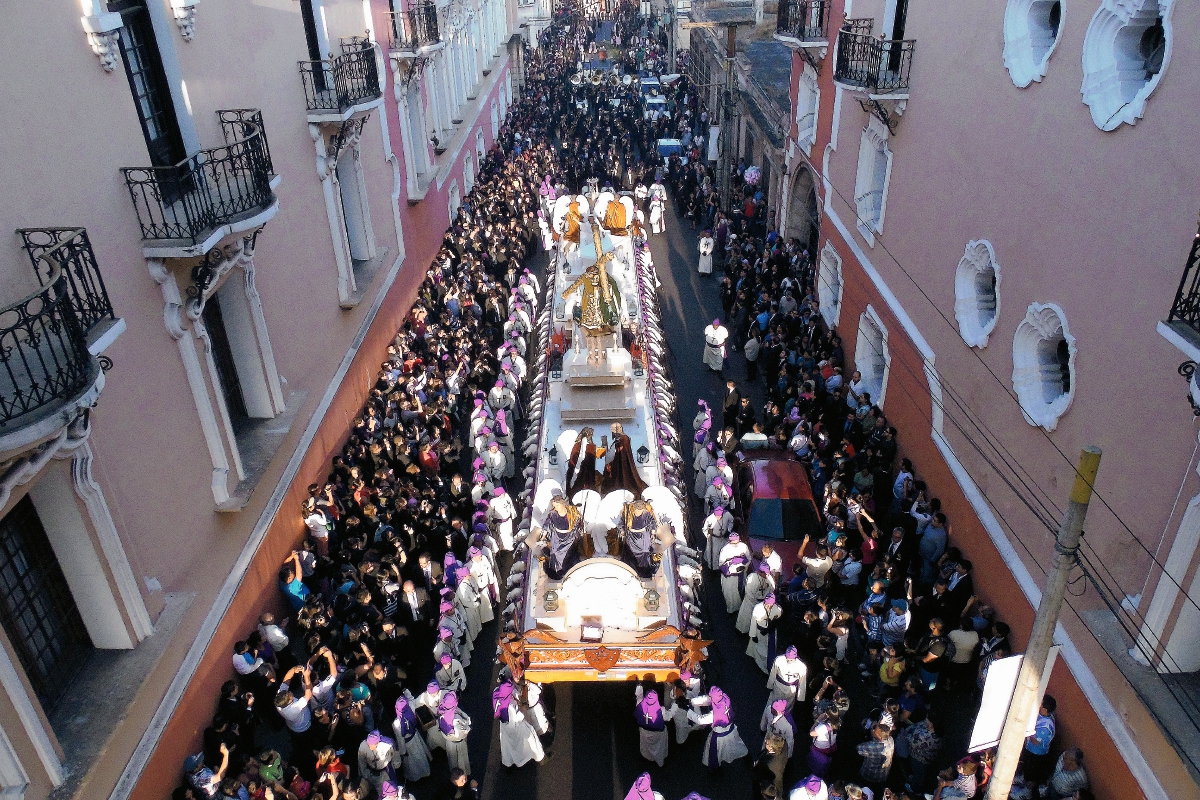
x: 564, y: 528
x: 599, y: 310
x: 614, y: 219
x: 637, y: 527
x: 571, y: 223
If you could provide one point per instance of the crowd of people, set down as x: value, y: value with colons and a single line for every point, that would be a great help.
x: 408, y: 539
x: 879, y: 604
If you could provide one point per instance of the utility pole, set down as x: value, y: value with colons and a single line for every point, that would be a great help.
x: 1066, y: 548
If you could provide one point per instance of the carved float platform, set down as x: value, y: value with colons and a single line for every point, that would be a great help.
x: 552, y: 657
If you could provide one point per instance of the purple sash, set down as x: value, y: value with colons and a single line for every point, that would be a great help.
x: 713, y: 736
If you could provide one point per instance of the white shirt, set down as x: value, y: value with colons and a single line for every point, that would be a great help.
x: 296, y: 715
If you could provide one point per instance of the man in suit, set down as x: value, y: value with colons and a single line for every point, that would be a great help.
x: 415, y: 612
x: 899, y: 550
x: 731, y: 405
x: 960, y: 589
x: 427, y: 574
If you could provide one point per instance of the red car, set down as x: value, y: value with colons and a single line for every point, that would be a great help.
x: 777, y: 504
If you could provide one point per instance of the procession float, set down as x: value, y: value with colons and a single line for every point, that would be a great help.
x: 604, y: 585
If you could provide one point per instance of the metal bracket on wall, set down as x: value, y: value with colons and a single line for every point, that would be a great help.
x: 889, y: 118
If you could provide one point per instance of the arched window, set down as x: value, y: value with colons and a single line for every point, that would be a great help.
x: 1031, y: 32
x: 808, y: 102
x: 977, y: 293
x: 1125, y: 51
x: 455, y: 200
x: 870, y: 186
x: 829, y: 285
x: 871, y: 356
x: 468, y: 173
x: 1044, y: 365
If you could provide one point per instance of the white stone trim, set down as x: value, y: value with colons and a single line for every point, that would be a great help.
x: 173, y: 321
x: 808, y: 106
x: 830, y: 284
x: 868, y: 184
x: 1107, y: 84
x: 92, y: 495
x: 103, y: 30
x: 1026, y: 51
x: 185, y: 17
x: 10, y: 681
x: 1042, y: 321
x: 327, y: 171
x: 453, y: 200
x: 877, y: 358
x: 977, y: 258
x: 14, y: 780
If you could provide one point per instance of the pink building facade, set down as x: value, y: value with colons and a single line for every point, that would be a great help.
x: 223, y: 215
x: 1005, y: 204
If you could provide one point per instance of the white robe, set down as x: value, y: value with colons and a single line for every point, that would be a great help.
x: 778, y: 725
x: 451, y: 677
x: 684, y: 724
x: 701, y: 463
x: 495, y: 463
x: 534, y: 711
x: 501, y: 514
x: 757, y: 649
x: 434, y: 736
x: 468, y: 601
x: 729, y: 583
x: 456, y: 742
x: 414, y: 753
x: 787, y: 680
x: 757, y: 587
x: 716, y: 533
x: 704, y: 267
x: 654, y: 744
x: 485, y: 577
x: 730, y: 746
x: 518, y: 740
x: 714, y: 347
x: 656, y: 216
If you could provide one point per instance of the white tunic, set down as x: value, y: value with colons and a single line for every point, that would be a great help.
x: 787, y: 680
x: 729, y: 583
x: 518, y: 740
x: 716, y: 533
x: 413, y: 752
x: 534, y: 711
x: 654, y: 744
x: 701, y: 463
x: 656, y: 216
x: 730, y: 746
x: 758, y: 586
x: 683, y: 723
x: 778, y: 724
x: 501, y: 514
x: 706, y: 248
x: 757, y: 649
x: 456, y: 742
x: 434, y: 736
x: 467, y: 599
x: 714, y: 347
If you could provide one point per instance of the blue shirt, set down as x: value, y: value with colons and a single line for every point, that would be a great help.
x: 1043, y: 734
x: 295, y: 592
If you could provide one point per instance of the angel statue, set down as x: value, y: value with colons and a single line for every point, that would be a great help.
x: 599, y: 311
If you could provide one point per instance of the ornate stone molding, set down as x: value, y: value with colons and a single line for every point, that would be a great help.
x: 103, y: 29
x: 970, y: 308
x: 185, y: 17
x: 19, y: 471
x: 216, y: 263
x: 1034, y: 373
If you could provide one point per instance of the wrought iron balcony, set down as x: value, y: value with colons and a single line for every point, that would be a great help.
x: 878, y: 66
x: 189, y: 201
x: 799, y: 21
x: 44, y: 356
x: 70, y: 251
x: 415, y: 31
x: 338, y: 85
x: 1185, y: 311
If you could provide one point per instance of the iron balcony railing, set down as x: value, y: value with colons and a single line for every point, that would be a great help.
x: 338, y: 84
x: 1186, y: 308
x: 880, y: 66
x: 70, y: 250
x: 803, y: 20
x: 415, y: 29
x: 188, y: 200
x: 44, y: 355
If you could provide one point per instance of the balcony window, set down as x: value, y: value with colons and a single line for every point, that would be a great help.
x: 1125, y: 51
x: 1044, y: 365
x: 414, y: 30
x: 340, y: 85
x: 188, y: 201
x: 977, y: 293
x: 808, y: 102
x: 877, y: 66
x: 799, y: 21
x: 829, y: 285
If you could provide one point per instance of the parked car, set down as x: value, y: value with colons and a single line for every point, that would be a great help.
x: 776, y: 503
